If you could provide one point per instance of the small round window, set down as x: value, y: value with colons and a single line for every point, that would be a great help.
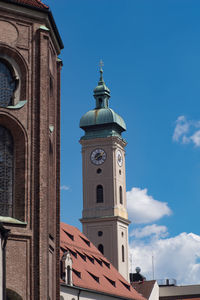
x: 7, y: 85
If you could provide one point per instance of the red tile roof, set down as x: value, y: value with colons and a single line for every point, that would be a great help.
x: 34, y: 3
x: 91, y: 270
x: 144, y: 287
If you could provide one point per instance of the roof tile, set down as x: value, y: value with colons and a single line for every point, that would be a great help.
x: 33, y: 3
x: 96, y: 272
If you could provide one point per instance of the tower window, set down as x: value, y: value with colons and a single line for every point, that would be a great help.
x: 120, y: 195
x: 99, y: 194
x: 6, y: 173
x: 100, y: 102
x: 100, y: 233
x: 68, y: 275
x: 7, y: 85
x: 99, y: 171
x: 101, y: 248
x: 123, y: 254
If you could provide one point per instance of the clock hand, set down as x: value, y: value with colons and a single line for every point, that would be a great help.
x: 99, y: 155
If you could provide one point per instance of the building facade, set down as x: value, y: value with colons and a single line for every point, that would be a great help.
x: 30, y: 148
x: 104, y: 218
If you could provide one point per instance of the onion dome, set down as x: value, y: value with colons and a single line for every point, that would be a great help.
x: 102, y: 121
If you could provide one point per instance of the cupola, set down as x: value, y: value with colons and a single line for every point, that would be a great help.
x: 102, y: 121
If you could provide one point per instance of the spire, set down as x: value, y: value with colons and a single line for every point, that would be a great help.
x: 101, y: 81
x: 101, y: 92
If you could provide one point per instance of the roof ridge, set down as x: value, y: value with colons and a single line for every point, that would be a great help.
x: 32, y: 3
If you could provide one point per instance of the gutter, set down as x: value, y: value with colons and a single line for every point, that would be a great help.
x: 96, y: 292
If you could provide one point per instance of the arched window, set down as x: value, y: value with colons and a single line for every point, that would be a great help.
x: 123, y: 254
x: 99, y: 194
x: 120, y: 195
x: 12, y: 295
x: 68, y: 275
x: 6, y: 173
x: 7, y: 84
x: 101, y: 248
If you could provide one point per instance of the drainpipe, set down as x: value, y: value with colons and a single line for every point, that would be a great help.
x: 4, y: 238
x: 79, y: 292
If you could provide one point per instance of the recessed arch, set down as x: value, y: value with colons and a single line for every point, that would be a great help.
x: 12, y: 295
x: 19, y: 167
x: 123, y: 254
x: 99, y: 193
x: 19, y: 69
x: 8, y: 83
x: 6, y: 172
x: 101, y: 248
x: 120, y: 195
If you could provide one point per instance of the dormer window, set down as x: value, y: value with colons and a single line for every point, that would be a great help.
x: 66, y: 268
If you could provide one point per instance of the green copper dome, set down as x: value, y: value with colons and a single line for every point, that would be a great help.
x: 102, y: 121
x: 102, y: 116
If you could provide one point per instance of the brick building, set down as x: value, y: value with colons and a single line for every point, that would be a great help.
x: 30, y: 148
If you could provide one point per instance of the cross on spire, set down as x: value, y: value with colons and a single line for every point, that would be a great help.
x: 101, y: 64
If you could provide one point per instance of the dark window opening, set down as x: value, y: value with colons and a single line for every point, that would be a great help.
x: 68, y: 275
x: 85, y: 241
x: 100, y: 233
x: 69, y: 235
x: 7, y: 85
x: 99, y: 171
x: 6, y: 173
x: 51, y: 85
x: 101, y: 248
x: 100, y: 102
x: 123, y: 254
x: 107, y: 264
x: 126, y: 285
x: 98, y: 260
x: 120, y: 195
x: 99, y: 194
x: 110, y: 280
x: 81, y: 255
x: 78, y: 274
x: 90, y: 258
x: 94, y: 277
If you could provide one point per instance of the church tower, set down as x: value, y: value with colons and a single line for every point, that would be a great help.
x: 104, y: 217
x: 30, y: 148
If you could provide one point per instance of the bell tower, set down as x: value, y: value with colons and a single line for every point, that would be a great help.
x: 104, y: 217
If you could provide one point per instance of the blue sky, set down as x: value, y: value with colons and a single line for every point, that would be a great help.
x: 151, y: 54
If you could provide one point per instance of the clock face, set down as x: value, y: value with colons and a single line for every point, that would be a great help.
x: 119, y: 158
x: 98, y: 156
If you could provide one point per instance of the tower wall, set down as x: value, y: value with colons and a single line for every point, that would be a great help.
x: 28, y: 43
x: 104, y: 218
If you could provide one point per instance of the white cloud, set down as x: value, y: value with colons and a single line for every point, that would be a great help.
x: 143, y: 208
x: 149, y: 230
x: 196, y: 138
x: 187, y: 131
x: 64, y: 188
x: 177, y: 257
x: 182, y: 127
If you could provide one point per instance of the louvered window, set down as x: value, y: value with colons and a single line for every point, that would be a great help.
x: 6, y: 172
x: 7, y: 85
